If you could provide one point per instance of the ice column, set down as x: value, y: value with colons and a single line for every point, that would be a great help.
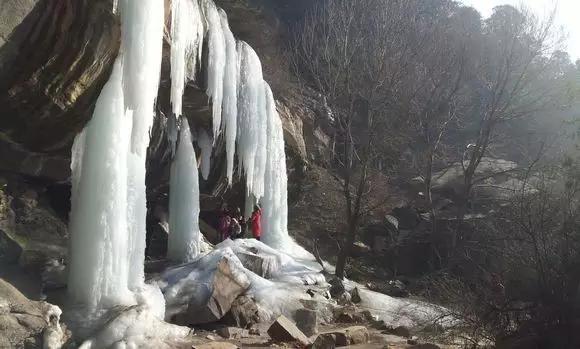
x: 275, y: 200
x: 107, y: 221
x: 98, y: 265
x: 184, y: 235
x: 141, y: 50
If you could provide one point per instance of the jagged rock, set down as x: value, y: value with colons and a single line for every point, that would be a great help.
x: 233, y: 332
x: 393, y: 288
x: 324, y: 341
x: 336, y: 287
x: 244, y: 312
x: 284, y: 330
x: 400, y: 331
x: 355, y: 295
x: 226, y: 287
x: 425, y: 346
x: 344, y: 299
x: 216, y: 345
x: 325, y: 310
x: 349, y: 336
x: 350, y: 315
x: 28, y: 324
x: 307, y: 321
x: 262, y: 265
x: 360, y: 248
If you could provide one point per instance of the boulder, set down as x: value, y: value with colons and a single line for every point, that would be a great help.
x: 216, y: 345
x: 307, y: 321
x: 324, y: 341
x: 354, y: 335
x: 233, y: 332
x: 227, y: 285
x: 425, y: 346
x: 350, y: 315
x: 263, y: 265
x: 336, y: 287
x: 28, y: 324
x: 243, y: 313
x: 393, y: 288
x: 400, y: 331
x: 285, y: 331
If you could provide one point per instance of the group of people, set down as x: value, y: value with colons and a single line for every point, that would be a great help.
x: 233, y: 225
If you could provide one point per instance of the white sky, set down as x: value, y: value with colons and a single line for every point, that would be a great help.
x: 567, y: 13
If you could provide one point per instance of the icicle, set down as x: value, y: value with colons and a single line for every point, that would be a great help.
x: 275, y: 201
x: 187, y: 32
x: 141, y: 49
x: 205, y: 143
x: 230, y: 106
x: 250, y: 89
x: 98, y: 268
x: 184, y: 235
x: 216, y: 63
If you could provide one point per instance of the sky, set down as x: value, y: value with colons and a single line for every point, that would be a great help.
x: 567, y: 12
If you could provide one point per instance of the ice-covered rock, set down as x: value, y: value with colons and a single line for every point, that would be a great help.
x: 281, y: 294
x: 28, y: 324
x: 227, y: 284
x: 137, y: 327
x: 244, y: 312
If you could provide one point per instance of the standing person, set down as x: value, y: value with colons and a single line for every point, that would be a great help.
x: 224, y: 223
x: 256, y: 221
x: 235, y: 228
x: 241, y: 223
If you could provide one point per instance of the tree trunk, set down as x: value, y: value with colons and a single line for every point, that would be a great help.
x: 345, y: 251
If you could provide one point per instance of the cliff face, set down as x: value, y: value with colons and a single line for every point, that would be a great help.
x: 54, y: 58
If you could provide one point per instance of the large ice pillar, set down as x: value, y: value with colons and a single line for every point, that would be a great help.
x: 107, y: 247
x: 275, y: 200
x: 216, y: 62
x: 230, y: 96
x: 184, y: 235
x: 187, y: 31
x: 98, y: 265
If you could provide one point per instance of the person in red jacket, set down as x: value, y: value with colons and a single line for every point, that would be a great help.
x: 256, y: 221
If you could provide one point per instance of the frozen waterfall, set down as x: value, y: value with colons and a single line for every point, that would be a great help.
x: 243, y: 107
x: 184, y: 235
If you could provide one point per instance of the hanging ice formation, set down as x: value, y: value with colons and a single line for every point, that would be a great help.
x: 205, y: 144
x: 184, y: 236
x: 243, y: 108
x: 107, y: 224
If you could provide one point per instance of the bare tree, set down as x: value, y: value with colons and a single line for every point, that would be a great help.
x: 356, y: 53
x: 515, y: 54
